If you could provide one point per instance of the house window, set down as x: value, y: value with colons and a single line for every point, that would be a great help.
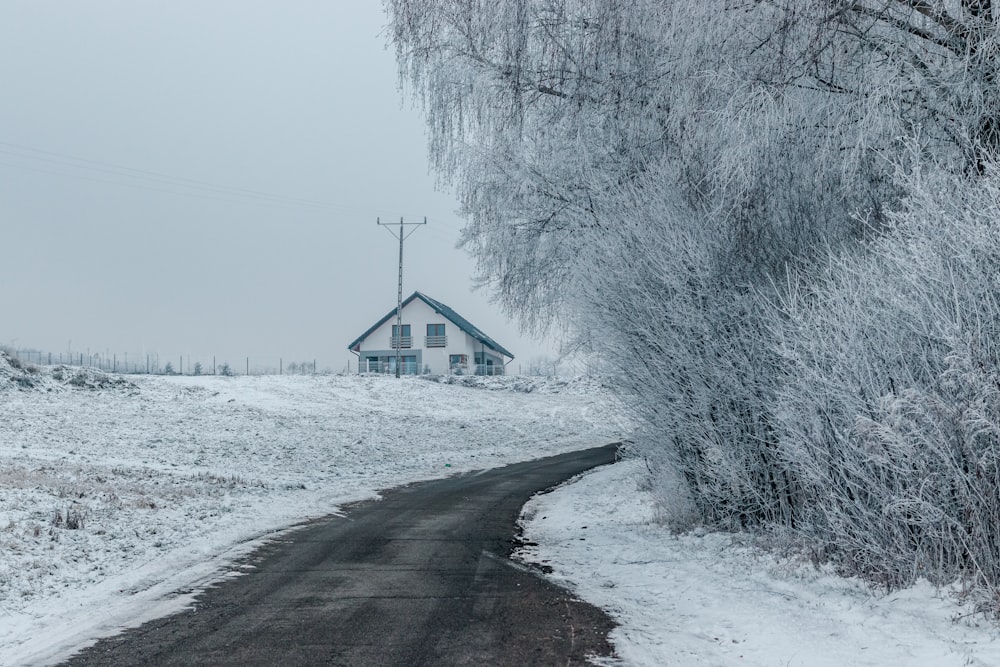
x: 404, y: 341
x: 435, y: 336
x: 372, y: 365
x: 408, y: 365
x: 458, y: 362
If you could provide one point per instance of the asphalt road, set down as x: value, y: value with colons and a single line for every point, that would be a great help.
x: 420, y: 577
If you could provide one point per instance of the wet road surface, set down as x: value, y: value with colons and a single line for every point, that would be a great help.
x: 420, y: 577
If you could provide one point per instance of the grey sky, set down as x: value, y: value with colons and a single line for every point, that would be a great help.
x: 294, y: 98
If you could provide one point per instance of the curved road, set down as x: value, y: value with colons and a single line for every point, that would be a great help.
x: 420, y: 577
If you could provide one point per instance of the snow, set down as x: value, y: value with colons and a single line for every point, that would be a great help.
x: 710, y: 599
x: 121, y: 498
x: 174, y: 479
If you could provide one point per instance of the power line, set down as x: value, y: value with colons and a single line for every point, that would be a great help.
x: 140, y: 186
x: 197, y: 186
x: 158, y: 181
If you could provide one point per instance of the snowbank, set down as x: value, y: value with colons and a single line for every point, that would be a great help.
x: 18, y: 375
x: 118, y: 497
x: 526, y: 384
x: 708, y: 600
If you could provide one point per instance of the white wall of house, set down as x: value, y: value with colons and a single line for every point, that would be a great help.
x: 418, y: 315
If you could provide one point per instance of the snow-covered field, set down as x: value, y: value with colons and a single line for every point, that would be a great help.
x: 120, y: 496
x: 709, y: 600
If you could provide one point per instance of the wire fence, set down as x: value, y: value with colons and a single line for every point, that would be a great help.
x: 156, y: 364
x: 192, y: 365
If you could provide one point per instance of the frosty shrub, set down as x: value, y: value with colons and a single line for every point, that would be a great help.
x: 72, y: 519
x: 890, y: 415
x: 695, y: 358
x: 15, y: 372
x: 10, y: 357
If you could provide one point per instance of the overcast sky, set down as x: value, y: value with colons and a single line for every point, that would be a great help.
x: 199, y: 178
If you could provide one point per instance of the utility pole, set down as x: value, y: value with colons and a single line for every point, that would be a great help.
x: 399, y: 288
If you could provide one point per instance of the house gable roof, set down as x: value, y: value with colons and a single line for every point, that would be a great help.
x: 449, y: 314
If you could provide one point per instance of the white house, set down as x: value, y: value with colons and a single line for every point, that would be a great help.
x: 435, y: 339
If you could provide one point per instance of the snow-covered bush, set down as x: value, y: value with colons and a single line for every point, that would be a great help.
x: 857, y: 403
x: 72, y: 519
x: 890, y: 413
x: 694, y: 356
x: 15, y: 372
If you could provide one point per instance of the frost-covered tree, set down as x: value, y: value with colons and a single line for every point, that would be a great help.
x: 779, y: 117
x: 589, y: 137
x: 933, y: 63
